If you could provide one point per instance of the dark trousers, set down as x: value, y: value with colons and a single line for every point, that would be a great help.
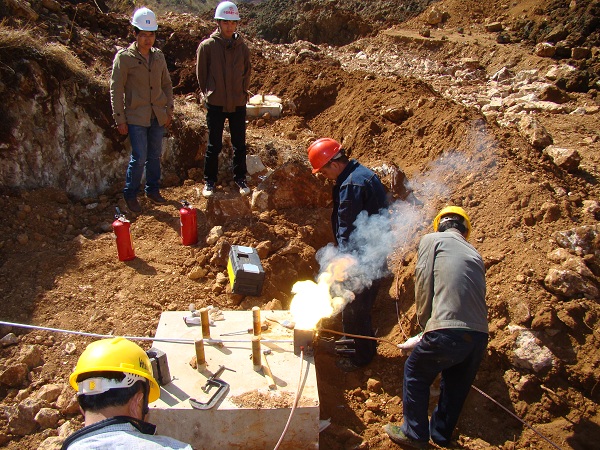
x: 456, y: 354
x: 356, y: 319
x: 215, y: 120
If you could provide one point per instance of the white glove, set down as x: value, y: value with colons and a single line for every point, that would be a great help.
x: 411, y: 342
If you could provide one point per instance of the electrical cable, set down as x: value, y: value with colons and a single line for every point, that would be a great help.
x: 517, y: 417
x: 139, y: 338
x: 358, y: 336
x: 295, y: 401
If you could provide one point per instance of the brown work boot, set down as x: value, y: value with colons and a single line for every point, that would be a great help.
x: 133, y: 205
x: 155, y: 197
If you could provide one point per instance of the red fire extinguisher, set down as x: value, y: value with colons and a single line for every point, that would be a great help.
x: 121, y: 228
x: 189, y: 224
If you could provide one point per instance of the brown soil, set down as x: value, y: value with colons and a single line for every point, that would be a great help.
x: 59, y: 266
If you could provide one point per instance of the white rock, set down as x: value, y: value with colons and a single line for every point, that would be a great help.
x: 254, y: 164
x: 528, y: 354
x: 9, y: 339
x: 214, y: 234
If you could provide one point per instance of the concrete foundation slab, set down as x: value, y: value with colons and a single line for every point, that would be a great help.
x: 251, y: 410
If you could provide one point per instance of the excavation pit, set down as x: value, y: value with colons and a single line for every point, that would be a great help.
x: 245, y: 408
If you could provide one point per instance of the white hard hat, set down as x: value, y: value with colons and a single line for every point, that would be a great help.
x: 144, y: 19
x: 227, y: 11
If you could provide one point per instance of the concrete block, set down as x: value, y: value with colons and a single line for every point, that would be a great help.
x: 250, y: 414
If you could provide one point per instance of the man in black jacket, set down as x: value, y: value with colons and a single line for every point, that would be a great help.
x: 356, y: 189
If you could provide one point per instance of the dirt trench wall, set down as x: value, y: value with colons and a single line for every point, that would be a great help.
x: 54, y: 141
x: 60, y: 134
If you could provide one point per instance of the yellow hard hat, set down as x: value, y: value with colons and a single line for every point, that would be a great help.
x: 453, y: 210
x: 116, y: 355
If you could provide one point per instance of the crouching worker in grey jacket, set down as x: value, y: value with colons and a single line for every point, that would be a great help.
x: 450, y: 298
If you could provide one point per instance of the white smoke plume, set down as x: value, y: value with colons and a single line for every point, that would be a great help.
x: 346, y: 271
x: 394, y: 231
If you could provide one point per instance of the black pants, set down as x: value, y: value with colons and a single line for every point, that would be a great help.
x: 356, y: 319
x: 215, y: 120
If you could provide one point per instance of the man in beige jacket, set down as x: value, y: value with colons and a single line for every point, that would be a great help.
x: 223, y: 71
x: 141, y: 95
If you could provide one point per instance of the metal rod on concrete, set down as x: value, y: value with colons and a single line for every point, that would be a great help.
x: 200, y: 355
x: 267, y: 370
x: 205, y: 323
x: 264, y: 341
x: 256, y: 320
x: 256, y: 358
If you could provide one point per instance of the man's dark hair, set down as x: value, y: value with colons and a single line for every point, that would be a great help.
x: 112, y: 397
x: 341, y: 157
x: 453, y: 223
x: 137, y: 31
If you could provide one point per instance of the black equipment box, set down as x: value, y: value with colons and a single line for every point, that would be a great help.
x: 246, y: 274
x: 160, y: 366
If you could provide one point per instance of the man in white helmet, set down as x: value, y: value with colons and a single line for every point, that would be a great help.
x: 223, y: 70
x: 141, y: 95
x: 114, y: 383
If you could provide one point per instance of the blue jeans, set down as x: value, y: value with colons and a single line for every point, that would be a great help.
x: 146, y: 148
x: 457, y: 355
x: 215, y: 121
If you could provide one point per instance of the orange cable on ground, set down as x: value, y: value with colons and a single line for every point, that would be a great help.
x: 358, y: 336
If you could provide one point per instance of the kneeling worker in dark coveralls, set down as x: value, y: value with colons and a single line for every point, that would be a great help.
x: 450, y: 298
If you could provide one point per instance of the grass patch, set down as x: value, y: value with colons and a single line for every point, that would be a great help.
x: 17, y: 45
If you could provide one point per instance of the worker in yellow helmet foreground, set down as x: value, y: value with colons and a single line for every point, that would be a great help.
x: 450, y: 298
x: 114, y: 383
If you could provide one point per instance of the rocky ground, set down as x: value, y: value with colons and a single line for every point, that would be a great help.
x: 490, y: 106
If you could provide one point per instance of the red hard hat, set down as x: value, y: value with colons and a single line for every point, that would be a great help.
x: 322, y: 151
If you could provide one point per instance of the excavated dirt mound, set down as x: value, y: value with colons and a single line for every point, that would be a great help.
x: 59, y: 266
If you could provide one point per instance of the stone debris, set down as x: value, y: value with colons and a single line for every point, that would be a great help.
x: 566, y: 158
x: 14, y: 375
x: 9, y: 339
x: 214, y: 234
x: 47, y: 418
x: 528, y: 353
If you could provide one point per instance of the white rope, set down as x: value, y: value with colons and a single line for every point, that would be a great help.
x: 139, y: 338
x: 295, y: 402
